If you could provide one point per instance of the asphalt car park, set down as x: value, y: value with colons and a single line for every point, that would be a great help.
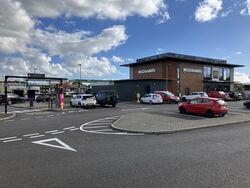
x: 80, y: 145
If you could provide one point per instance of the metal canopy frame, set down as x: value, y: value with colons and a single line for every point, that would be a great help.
x: 28, y: 78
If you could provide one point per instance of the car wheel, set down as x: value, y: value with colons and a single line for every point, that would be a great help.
x: 150, y: 102
x: 222, y: 115
x: 79, y: 105
x: 182, y: 110
x: 113, y: 104
x: 70, y: 104
x: 141, y: 101
x: 248, y: 105
x: 184, y: 99
x: 9, y: 102
x: 209, y: 114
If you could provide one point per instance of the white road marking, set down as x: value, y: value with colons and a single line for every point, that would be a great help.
x: 12, y: 140
x: 58, y: 132
x: 104, y: 130
x: 94, y: 127
x: 134, y: 109
x: 51, y: 115
x: 116, y: 119
x: 71, y: 112
x: 41, y: 135
x: 33, y: 134
x: 74, y: 129
x: 6, y: 121
x: 25, y: 111
x: 39, y: 117
x: 51, y: 131
x: 61, y: 145
x: 58, y: 114
x: 102, y: 123
x: 23, y: 119
x: 8, y: 138
x: 66, y: 128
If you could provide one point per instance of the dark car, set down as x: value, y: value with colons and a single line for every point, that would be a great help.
x: 204, y: 106
x: 247, y: 103
x: 108, y: 97
x: 42, y: 98
x: 13, y: 99
x: 2, y: 98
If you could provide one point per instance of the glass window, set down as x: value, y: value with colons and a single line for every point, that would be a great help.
x: 226, y: 74
x: 215, y: 74
x: 220, y: 73
x: 207, y: 72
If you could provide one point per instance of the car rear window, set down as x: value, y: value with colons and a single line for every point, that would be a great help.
x: 221, y: 102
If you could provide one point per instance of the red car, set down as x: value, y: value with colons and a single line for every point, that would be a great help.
x: 204, y: 106
x: 168, y: 97
x: 217, y: 94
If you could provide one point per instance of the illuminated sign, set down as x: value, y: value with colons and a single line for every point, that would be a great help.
x: 146, y: 71
x: 190, y: 70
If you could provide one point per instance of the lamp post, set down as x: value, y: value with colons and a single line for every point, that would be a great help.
x: 80, y: 66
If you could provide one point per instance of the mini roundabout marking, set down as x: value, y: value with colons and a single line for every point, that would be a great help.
x: 103, y: 126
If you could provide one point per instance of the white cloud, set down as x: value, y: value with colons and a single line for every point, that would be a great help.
x: 208, y: 10
x: 36, y: 47
x: 246, y: 11
x: 101, y: 9
x: 117, y: 59
x: 241, y: 77
x: 15, y: 25
x: 80, y: 42
x: 238, y: 53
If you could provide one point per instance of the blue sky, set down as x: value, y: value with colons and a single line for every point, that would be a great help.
x: 102, y: 35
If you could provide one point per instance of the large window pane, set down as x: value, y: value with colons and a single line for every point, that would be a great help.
x: 207, y: 73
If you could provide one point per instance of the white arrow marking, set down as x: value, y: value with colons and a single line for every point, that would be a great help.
x: 61, y: 146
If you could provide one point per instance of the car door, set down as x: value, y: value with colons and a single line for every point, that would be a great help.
x: 194, y: 106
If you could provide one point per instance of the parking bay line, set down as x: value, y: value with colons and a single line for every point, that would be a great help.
x: 74, y: 129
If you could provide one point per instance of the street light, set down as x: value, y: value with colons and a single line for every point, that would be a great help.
x: 80, y: 66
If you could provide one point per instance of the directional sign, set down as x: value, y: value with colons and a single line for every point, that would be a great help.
x: 61, y: 145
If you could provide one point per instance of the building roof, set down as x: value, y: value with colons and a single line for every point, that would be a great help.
x: 181, y: 57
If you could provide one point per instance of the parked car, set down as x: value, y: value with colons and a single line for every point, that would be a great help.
x: 204, y: 106
x: 168, y: 97
x: 217, y: 94
x: 107, y: 97
x: 83, y: 100
x: 235, y: 96
x: 193, y: 95
x: 247, y: 103
x: 152, y: 99
x: 42, y: 98
x: 2, y: 99
x: 13, y: 99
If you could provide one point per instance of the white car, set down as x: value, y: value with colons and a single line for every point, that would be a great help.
x: 83, y: 100
x: 152, y: 99
x: 193, y: 95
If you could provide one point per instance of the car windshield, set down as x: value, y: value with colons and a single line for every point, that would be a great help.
x: 170, y: 94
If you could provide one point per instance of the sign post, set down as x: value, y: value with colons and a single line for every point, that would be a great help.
x: 61, y: 101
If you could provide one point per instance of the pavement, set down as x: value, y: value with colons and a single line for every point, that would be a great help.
x: 150, y: 123
x: 4, y: 116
